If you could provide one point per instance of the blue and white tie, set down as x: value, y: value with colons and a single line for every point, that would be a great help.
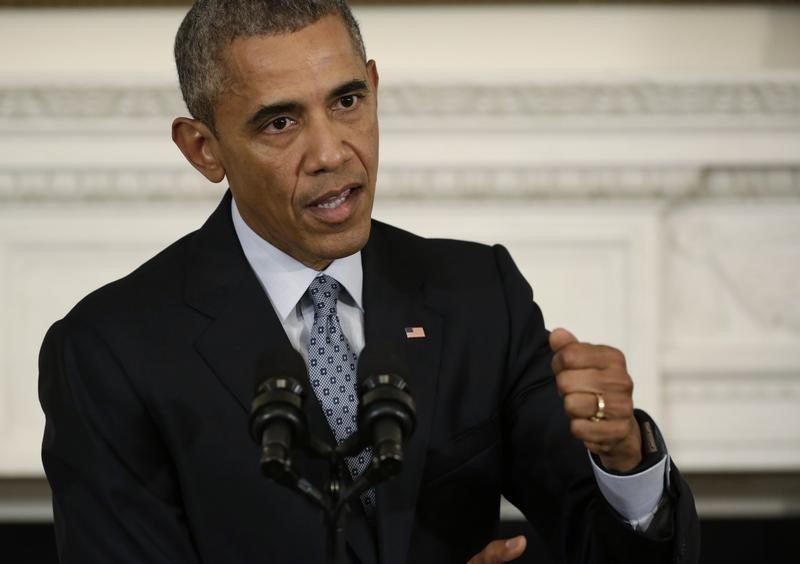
x: 332, y: 372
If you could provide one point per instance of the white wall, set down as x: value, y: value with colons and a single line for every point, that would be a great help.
x: 471, y: 43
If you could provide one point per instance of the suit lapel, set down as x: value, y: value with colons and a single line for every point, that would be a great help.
x: 394, y: 300
x: 243, y: 326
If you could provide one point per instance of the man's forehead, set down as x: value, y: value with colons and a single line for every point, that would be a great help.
x: 314, y: 48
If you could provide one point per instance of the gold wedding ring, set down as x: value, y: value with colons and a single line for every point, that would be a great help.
x: 600, y: 413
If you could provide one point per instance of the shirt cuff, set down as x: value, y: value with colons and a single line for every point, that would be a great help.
x: 635, y: 497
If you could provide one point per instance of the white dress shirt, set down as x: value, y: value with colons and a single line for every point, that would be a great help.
x: 285, y: 281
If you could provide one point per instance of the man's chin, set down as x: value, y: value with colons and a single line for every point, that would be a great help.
x: 344, y: 244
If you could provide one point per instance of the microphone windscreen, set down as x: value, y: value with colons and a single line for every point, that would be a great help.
x: 284, y: 362
x: 381, y: 357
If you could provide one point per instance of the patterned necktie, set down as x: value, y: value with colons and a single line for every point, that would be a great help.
x: 332, y: 372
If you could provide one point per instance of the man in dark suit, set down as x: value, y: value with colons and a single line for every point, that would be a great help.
x: 147, y: 383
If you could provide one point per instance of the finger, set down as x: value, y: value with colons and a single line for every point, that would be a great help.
x: 560, y: 337
x: 583, y: 380
x: 500, y: 551
x: 584, y: 405
x: 608, y: 382
x: 586, y: 355
x: 606, y: 432
x: 514, y: 548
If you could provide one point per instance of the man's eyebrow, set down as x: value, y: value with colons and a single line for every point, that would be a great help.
x: 348, y: 87
x: 266, y: 112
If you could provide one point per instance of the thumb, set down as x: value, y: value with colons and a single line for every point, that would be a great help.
x: 500, y: 551
x: 560, y: 338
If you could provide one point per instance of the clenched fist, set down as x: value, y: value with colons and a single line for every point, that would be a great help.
x: 598, y: 398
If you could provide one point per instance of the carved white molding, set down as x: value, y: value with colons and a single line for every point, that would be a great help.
x: 772, y: 96
x: 726, y: 388
x: 41, y: 102
x: 734, y: 272
x: 768, y: 98
x: 592, y: 182
x: 737, y: 422
x: 730, y: 353
x: 664, y: 139
x: 777, y: 181
x: 581, y: 182
x: 106, y: 185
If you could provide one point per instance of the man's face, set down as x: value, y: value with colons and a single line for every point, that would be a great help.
x: 297, y: 135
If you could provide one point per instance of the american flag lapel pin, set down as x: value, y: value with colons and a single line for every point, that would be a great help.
x: 415, y: 332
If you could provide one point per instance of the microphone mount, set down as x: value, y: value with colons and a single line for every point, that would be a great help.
x: 278, y: 424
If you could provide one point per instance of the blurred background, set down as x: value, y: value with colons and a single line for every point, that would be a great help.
x: 640, y: 160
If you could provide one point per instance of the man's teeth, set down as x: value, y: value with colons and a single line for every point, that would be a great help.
x: 335, y: 203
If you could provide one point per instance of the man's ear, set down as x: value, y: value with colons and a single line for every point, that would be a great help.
x: 196, y: 141
x: 372, y: 73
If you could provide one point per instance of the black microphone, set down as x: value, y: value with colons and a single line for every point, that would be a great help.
x: 276, y: 416
x: 387, y: 414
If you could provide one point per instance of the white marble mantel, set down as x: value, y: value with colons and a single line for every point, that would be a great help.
x: 655, y: 211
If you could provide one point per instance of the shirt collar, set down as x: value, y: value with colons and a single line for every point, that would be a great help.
x: 284, y: 278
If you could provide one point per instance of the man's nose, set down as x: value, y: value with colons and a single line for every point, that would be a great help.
x: 327, y: 148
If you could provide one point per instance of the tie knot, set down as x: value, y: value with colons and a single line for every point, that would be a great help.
x: 324, y: 292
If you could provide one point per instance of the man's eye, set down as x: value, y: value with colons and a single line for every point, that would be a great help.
x: 279, y: 124
x: 349, y: 101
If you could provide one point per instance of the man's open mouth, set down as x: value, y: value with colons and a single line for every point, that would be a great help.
x: 333, y: 201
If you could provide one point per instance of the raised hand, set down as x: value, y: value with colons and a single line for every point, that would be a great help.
x: 598, y: 397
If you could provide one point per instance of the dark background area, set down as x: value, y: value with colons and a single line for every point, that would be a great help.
x: 728, y: 541
x: 722, y: 541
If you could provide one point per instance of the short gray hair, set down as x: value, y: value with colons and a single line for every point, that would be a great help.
x: 210, y: 27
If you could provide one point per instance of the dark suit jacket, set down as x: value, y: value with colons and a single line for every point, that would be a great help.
x: 147, y: 383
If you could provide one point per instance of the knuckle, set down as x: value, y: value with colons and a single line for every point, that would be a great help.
x: 570, y: 403
x: 627, y: 385
x: 561, y: 383
x: 569, y: 356
x: 617, y: 357
x: 620, y: 383
x: 628, y: 406
x: 613, y: 356
x: 557, y: 364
